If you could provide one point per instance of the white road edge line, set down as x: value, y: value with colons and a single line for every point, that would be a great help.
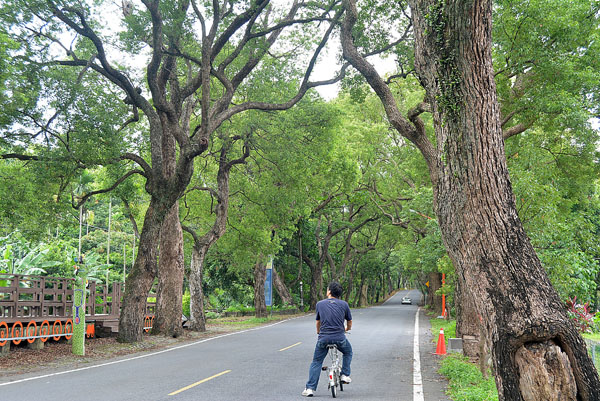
x: 417, y: 379
x: 145, y: 355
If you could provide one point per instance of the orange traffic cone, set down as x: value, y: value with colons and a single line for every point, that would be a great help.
x: 441, y: 344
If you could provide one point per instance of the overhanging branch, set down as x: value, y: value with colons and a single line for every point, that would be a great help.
x: 81, y: 200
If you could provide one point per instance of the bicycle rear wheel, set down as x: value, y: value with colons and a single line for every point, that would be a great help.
x: 334, y: 391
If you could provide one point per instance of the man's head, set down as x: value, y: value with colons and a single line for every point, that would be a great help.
x: 335, y: 289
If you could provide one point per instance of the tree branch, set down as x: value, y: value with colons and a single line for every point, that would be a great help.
x: 19, y: 156
x: 516, y: 130
x: 401, y: 124
x: 85, y: 197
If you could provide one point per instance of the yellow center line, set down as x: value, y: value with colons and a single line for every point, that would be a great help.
x: 200, y: 382
x: 286, y: 348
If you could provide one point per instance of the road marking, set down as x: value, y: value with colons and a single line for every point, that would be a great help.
x: 417, y: 379
x: 200, y: 382
x: 286, y: 348
x: 147, y: 355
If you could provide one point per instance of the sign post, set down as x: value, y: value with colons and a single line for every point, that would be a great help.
x: 269, y: 284
x: 444, y: 296
x: 79, y: 295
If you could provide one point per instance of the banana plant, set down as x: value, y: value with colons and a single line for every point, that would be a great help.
x: 33, y: 262
x: 95, y: 269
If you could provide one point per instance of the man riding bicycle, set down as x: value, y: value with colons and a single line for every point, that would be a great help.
x: 331, y: 313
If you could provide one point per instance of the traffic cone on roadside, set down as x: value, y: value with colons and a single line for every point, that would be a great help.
x: 441, y: 344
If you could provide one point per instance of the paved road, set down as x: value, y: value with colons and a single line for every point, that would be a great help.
x: 267, y: 363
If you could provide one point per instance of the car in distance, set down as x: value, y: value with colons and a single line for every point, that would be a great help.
x: 406, y: 300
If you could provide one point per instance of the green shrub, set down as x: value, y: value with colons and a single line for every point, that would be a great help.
x: 240, y: 309
x: 185, y: 303
x: 466, y: 381
x: 212, y: 315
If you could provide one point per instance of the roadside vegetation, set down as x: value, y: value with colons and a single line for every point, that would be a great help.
x: 465, y: 379
x: 214, y: 156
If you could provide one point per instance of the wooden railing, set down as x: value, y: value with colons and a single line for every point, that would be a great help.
x: 27, y: 302
x: 40, y: 298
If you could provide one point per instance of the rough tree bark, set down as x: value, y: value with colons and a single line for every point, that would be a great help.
x: 197, y: 321
x: 170, y: 259
x: 363, y: 292
x: 435, y: 283
x: 469, y: 325
x: 170, y: 278
x: 139, y: 281
x: 282, y: 289
x: 260, y: 274
x: 537, y: 352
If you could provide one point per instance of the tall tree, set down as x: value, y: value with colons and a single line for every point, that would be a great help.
x: 474, y: 202
x: 203, y: 242
x: 199, y: 57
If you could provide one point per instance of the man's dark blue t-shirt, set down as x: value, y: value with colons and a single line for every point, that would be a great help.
x: 332, y: 312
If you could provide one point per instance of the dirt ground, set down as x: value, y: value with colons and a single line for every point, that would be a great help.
x: 57, y: 356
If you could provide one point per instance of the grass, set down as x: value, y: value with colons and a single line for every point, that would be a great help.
x: 593, y: 337
x: 246, y: 321
x: 594, y: 349
x: 449, y: 327
x: 466, y: 383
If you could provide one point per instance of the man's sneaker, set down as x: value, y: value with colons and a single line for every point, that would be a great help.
x: 345, y: 379
x: 308, y: 392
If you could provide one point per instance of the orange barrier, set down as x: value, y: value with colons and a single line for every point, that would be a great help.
x: 18, y: 333
x: 31, y: 332
x: 441, y: 345
x: 3, y: 333
x: 90, y: 330
x: 57, y: 330
x: 45, y: 331
x: 68, y: 331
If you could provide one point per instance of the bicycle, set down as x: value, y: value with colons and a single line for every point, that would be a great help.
x: 334, y: 372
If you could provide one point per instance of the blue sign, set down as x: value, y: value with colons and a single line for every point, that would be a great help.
x: 269, y: 284
x: 269, y: 288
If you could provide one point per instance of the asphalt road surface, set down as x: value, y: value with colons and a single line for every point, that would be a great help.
x: 265, y: 363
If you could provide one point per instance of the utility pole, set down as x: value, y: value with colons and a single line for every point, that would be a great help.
x: 108, y: 245
x: 124, y: 260
x: 80, y: 226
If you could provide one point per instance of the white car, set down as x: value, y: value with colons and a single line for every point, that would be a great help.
x: 406, y: 300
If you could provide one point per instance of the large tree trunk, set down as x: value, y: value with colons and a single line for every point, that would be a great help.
x: 260, y: 274
x: 349, y: 286
x: 170, y: 261
x: 469, y: 324
x: 197, y: 320
x: 316, y: 284
x: 435, y: 283
x: 537, y: 352
x: 139, y: 280
x: 364, y: 290
x: 474, y: 202
x: 169, y: 308
x: 202, y: 244
x: 282, y: 289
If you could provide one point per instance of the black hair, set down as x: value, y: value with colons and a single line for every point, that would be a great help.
x: 335, y: 288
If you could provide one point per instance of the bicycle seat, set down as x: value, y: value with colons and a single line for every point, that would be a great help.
x: 331, y: 346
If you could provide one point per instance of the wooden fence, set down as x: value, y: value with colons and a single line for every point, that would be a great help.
x: 33, y: 307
